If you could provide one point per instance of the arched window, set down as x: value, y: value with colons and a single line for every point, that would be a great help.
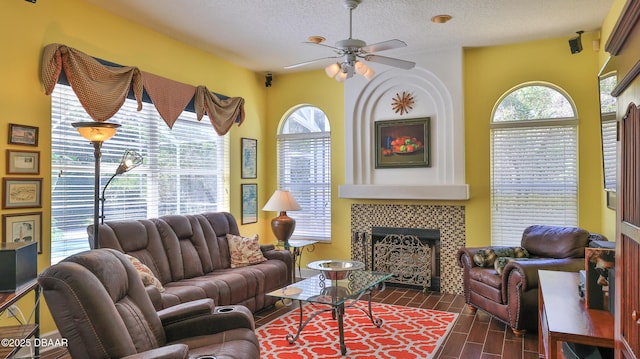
x: 304, y: 168
x: 534, y: 161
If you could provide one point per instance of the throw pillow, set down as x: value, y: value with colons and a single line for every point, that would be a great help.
x: 244, y: 251
x: 484, y: 257
x: 501, y: 262
x: 487, y: 257
x: 147, y: 276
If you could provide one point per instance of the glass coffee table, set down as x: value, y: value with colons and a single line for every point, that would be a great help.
x: 324, y: 294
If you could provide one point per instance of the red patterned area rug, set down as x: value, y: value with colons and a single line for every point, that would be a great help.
x: 405, y: 333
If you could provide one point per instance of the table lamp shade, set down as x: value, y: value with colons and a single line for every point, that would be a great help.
x: 283, y: 225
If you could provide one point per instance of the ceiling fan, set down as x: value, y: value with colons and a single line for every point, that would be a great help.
x: 351, y: 50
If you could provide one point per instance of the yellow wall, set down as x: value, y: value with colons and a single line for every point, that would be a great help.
x: 27, y: 28
x: 488, y: 73
x: 316, y: 89
x: 491, y: 72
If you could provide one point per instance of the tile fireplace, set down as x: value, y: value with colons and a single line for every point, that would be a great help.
x: 418, y: 243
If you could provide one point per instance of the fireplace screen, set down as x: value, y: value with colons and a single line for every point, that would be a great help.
x: 410, y: 254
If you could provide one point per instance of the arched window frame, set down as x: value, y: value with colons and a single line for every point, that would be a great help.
x: 304, y: 168
x: 531, y: 189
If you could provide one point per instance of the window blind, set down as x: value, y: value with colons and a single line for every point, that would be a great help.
x: 609, y: 138
x: 534, y: 179
x: 185, y: 170
x: 304, y: 168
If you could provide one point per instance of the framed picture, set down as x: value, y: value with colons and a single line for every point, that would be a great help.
x: 23, y: 135
x: 23, y: 227
x: 249, y: 158
x: 600, y: 269
x: 249, y: 203
x: 22, y: 193
x: 23, y: 162
x: 402, y: 143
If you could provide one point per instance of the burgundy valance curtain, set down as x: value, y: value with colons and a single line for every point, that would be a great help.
x: 102, y: 89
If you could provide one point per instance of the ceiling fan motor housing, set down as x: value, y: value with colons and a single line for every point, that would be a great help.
x: 350, y: 44
x: 352, y: 4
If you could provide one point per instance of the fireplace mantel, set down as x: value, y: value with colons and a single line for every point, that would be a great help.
x: 421, y: 192
x: 436, y: 85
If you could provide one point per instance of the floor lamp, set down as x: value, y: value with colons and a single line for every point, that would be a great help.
x: 130, y: 160
x: 283, y: 225
x: 97, y: 133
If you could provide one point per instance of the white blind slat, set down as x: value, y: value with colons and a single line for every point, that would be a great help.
x: 185, y: 170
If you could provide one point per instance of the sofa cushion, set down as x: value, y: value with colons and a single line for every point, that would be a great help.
x: 487, y: 257
x: 147, y: 276
x: 141, y: 239
x: 244, y: 251
x: 555, y: 242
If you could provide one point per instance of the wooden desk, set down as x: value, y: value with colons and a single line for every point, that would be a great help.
x: 564, y: 317
x: 20, y: 331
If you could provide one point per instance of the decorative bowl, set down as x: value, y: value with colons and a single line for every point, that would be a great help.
x: 336, y: 269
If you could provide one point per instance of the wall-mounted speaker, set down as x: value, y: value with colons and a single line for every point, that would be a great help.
x: 575, y: 44
x: 267, y: 79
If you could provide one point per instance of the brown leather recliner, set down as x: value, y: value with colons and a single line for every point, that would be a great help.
x: 100, y: 306
x: 512, y: 297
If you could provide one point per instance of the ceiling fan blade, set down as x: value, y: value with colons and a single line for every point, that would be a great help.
x: 384, y: 45
x: 308, y: 62
x: 403, y: 64
x: 321, y: 44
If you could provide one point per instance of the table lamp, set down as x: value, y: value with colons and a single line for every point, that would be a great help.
x: 283, y: 225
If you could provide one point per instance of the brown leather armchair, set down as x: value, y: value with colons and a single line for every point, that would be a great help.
x: 512, y: 296
x: 100, y: 306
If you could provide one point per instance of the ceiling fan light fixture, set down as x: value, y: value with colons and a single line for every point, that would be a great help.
x: 369, y: 74
x: 341, y: 76
x: 332, y: 69
x: 361, y: 68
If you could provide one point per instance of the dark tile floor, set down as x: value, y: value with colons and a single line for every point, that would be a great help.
x: 475, y: 335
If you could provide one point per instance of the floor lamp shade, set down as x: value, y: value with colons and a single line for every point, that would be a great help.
x: 283, y: 225
x: 96, y: 131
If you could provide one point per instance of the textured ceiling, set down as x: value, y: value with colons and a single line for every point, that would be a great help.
x: 266, y: 35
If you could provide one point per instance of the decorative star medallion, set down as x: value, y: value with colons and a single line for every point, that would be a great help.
x: 402, y: 103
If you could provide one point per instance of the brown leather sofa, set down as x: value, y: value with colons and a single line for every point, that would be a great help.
x: 189, y: 255
x: 100, y: 306
x: 512, y: 296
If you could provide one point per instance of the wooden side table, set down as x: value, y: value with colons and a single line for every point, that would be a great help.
x: 564, y: 316
x: 13, y: 334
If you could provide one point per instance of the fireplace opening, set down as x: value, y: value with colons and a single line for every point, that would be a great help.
x: 412, y: 255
